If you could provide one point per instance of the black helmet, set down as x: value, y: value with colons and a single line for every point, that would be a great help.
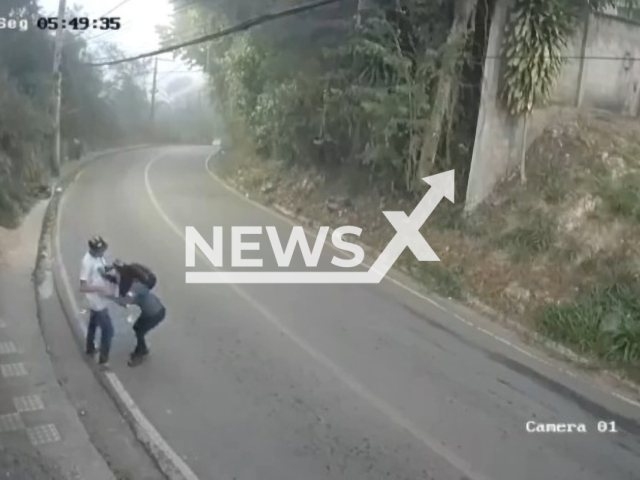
x: 97, y: 244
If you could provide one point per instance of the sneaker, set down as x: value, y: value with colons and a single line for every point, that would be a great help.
x: 136, y: 359
x: 103, y: 362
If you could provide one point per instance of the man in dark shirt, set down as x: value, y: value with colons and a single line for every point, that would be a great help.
x: 152, y: 312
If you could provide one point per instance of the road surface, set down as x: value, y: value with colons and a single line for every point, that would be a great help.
x: 352, y: 382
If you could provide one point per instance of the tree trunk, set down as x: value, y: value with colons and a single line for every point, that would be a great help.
x: 523, y: 151
x: 441, y: 107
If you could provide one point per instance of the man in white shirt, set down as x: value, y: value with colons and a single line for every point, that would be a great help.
x: 96, y: 288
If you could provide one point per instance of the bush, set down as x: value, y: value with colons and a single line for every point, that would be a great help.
x: 621, y: 197
x: 22, y: 141
x: 605, y: 321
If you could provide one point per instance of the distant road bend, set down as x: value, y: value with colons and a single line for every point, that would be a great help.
x: 319, y: 382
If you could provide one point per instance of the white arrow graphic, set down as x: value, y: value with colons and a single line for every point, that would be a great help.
x: 408, y: 236
x: 408, y: 228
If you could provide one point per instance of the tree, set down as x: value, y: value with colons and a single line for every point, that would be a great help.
x: 352, y: 84
x: 449, y: 72
x: 535, y: 38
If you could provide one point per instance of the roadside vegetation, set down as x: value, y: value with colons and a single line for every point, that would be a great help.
x: 561, y: 257
x: 100, y: 107
x: 337, y: 115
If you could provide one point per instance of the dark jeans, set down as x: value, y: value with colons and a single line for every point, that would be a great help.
x: 142, y: 326
x: 102, y: 320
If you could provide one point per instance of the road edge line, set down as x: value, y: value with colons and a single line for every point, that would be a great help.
x: 169, y: 463
x: 566, y: 354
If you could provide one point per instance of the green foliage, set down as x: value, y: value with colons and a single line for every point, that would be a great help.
x: 534, y: 42
x: 621, y: 197
x: 319, y: 89
x: 605, y: 321
x: 381, y: 90
x: 93, y: 110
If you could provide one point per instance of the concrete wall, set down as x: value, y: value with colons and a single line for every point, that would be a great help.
x: 612, y: 84
x: 585, y: 82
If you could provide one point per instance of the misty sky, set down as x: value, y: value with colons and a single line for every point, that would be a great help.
x: 138, y: 17
x: 137, y: 34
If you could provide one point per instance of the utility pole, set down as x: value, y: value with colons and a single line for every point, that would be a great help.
x: 153, y: 90
x: 57, y: 92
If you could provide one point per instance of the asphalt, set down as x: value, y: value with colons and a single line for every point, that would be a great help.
x: 278, y: 382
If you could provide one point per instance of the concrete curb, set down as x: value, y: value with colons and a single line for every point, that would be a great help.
x: 167, y: 461
x: 534, y: 338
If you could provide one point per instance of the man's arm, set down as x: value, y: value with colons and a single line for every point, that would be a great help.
x: 86, y: 288
x: 123, y: 301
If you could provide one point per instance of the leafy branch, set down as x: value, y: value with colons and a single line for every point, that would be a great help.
x: 534, y: 41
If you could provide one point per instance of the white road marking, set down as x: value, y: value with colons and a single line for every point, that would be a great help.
x: 43, y: 434
x: 11, y: 422
x: 149, y: 430
x: 28, y: 403
x: 7, y: 348
x: 621, y: 397
x: 353, y: 384
x: 406, y: 287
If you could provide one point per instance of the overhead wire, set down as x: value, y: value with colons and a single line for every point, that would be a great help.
x: 115, y: 8
x: 247, y: 24
x: 123, y: 2
x: 130, y: 23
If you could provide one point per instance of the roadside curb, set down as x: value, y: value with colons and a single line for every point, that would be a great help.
x: 530, y: 337
x: 167, y: 461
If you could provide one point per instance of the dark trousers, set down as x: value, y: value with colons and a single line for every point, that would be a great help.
x: 100, y: 319
x: 143, y: 325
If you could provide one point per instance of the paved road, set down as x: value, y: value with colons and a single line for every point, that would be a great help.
x: 290, y: 382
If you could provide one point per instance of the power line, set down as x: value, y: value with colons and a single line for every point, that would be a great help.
x: 136, y: 20
x: 213, y: 36
x: 104, y: 15
x: 572, y: 57
x: 109, y: 32
x: 115, y: 8
x: 284, y: 13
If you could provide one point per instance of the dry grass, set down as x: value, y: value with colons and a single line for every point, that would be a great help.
x: 544, y: 254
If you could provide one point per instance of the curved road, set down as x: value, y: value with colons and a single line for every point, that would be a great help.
x: 350, y: 382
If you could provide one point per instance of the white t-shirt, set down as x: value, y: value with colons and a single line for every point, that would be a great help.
x: 90, y: 273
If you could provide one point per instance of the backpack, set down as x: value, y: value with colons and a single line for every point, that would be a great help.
x: 145, y: 275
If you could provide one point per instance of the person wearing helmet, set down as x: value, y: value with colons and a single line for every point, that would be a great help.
x: 96, y: 289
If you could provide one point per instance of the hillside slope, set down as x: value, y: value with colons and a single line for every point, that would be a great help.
x: 560, y: 254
